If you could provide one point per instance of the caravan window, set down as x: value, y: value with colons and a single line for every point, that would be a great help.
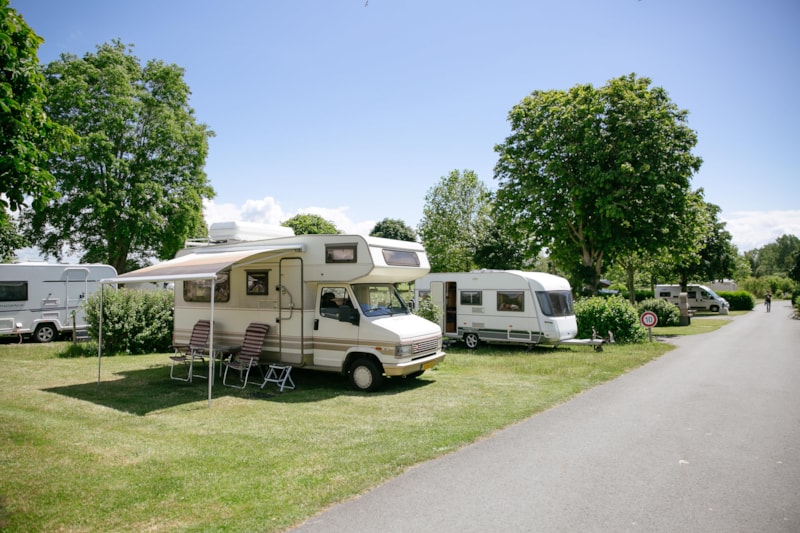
x: 556, y: 303
x: 510, y: 301
x: 13, y: 291
x: 200, y: 290
x: 341, y: 253
x: 258, y: 282
x: 471, y: 298
x: 400, y: 258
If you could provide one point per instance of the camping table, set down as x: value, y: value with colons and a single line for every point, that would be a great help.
x: 222, y: 352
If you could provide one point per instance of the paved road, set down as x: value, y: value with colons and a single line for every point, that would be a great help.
x: 705, y: 439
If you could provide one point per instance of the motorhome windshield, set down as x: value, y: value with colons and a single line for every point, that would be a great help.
x: 556, y: 303
x: 377, y: 299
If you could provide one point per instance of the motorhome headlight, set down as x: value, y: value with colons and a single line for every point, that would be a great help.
x: 404, y: 350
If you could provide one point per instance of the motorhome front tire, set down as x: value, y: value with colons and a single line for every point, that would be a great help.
x: 365, y: 375
x: 44, y: 333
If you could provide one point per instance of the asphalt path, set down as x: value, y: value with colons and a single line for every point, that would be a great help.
x: 705, y: 439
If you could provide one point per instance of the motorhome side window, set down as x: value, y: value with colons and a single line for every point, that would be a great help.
x: 400, y: 258
x: 692, y: 294
x: 257, y: 282
x: 664, y: 294
x: 471, y: 298
x: 341, y: 253
x: 200, y: 290
x: 13, y: 291
x: 510, y: 301
x: 331, y: 300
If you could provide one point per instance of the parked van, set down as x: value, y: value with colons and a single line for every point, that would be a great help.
x: 330, y: 301
x: 503, y: 306
x: 699, y: 296
x: 39, y: 299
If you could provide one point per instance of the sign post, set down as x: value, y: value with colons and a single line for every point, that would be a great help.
x: 649, y: 320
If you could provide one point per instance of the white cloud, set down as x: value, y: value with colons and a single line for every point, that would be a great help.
x: 268, y: 211
x: 754, y: 229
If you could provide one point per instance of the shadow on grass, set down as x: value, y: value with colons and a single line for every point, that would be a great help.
x: 140, y: 392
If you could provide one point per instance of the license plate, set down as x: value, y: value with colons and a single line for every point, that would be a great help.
x: 429, y: 364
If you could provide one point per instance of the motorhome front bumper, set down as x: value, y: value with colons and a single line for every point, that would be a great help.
x: 416, y: 365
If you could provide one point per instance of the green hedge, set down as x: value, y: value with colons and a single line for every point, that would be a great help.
x: 134, y: 322
x: 668, y: 313
x: 614, y: 314
x: 739, y: 300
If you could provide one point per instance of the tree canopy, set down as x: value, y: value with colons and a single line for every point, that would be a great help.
x: 391, y: 228
x: 455, y: 217
x: 308, y: 224
x: 132, y: 184
x: 26, y: 133
x: 593, y: 173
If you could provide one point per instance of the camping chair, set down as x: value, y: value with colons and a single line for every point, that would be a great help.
x: 248, y: 356
x: 188, y: 353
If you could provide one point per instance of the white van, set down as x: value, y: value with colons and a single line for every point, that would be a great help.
x: 700, y: 297
x: 39, y: 299
x: 503, y: 306
x: 330, y: 301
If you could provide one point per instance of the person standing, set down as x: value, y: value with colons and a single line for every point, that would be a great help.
x: 768, y: 301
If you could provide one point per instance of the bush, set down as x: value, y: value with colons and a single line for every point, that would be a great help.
x: 613, y: 314
x: 429, y: 310
x: 739, y: 300
x: 134, y: 322
x: 668, y: 313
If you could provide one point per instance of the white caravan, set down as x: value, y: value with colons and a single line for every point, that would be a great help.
x: 330, y: 302
x: 38, y: 299
x: 503, y: 306
x: 699, y: 297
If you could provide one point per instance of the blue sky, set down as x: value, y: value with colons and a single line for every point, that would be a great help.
x: 353, y: 110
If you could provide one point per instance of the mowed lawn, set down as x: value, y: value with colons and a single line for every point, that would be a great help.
x: 142, y: 452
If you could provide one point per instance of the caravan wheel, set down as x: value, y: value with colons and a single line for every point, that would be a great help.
x: 471, y: 340
x: 44, y: 333
x: 365, y: 375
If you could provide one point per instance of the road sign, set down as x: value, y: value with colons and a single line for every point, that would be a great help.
x: 648, y: 319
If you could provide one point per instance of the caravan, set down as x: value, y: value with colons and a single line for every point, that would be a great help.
x: 44, y: 300
x: 503, y: 306
x: 330, y: 301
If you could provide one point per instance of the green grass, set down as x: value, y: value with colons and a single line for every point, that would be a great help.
x: 142, y: 452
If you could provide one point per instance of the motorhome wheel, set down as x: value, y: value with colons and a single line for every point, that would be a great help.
x: 471, y: 340
x: 713, y: 308
x: 365, y: 375
x: 44, y: 333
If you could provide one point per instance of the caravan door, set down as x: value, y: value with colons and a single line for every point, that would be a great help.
x: 77, y: 289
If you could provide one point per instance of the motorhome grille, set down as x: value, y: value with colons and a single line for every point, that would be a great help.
x: 426, y: 346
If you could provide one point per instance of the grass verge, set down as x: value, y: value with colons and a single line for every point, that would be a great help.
x: 142, y: 452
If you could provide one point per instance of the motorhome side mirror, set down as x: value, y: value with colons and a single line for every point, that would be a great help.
x: 348, y: 314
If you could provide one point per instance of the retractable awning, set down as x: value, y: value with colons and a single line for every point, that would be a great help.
x: 202, y: 264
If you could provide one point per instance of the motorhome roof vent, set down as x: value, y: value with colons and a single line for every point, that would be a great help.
x: 245, y: 231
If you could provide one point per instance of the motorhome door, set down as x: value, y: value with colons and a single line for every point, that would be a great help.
x: 291, y: 333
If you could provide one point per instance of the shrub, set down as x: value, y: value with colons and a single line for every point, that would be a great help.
x: 739, y: 300
x: 613, y: 314
x: 428, y: 310
x: 668, y: 313
x: 134, y: 322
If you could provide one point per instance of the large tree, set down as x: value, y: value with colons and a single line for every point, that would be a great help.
x: 392, y: 228
x: 26, y: 133
x: 456, y: 216
x: 133, y: 183
x: 593, y: 173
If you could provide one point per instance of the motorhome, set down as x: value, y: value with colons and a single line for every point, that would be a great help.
x: 330, y: 301
x: 44, y: 300
x: 502, y: 306
x: 700, y: 297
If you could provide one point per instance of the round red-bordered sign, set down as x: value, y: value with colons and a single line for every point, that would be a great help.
x: 648, y: 319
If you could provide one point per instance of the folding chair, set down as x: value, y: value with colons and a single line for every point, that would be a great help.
x: 188, y: 353
x: 248, y: 356
x: 280, y: 374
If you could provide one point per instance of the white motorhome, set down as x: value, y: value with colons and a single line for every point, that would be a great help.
x: 502, y: 306
x: 39, y: 299
x: 699, y: 297
x: 330, y: 301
